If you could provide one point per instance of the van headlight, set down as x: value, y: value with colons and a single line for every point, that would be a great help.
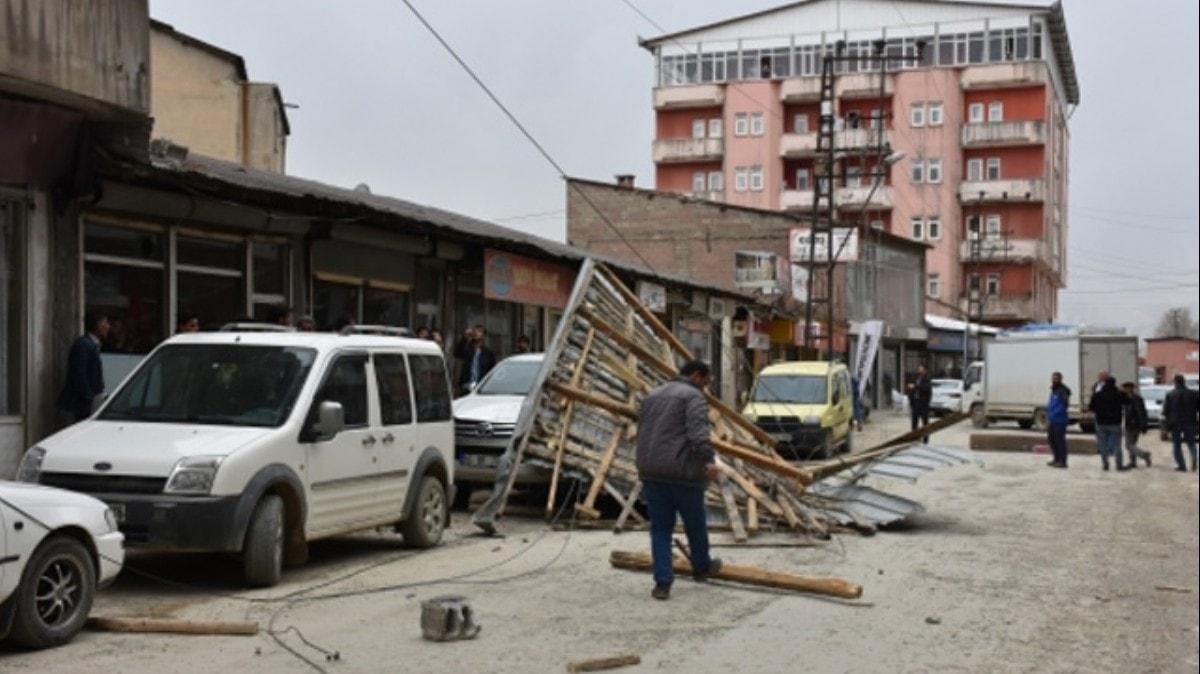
x: 193, y: 475
x: 31, y: 465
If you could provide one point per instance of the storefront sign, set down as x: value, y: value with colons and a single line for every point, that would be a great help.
x: 515, y: 278
x: 755, y: 269
x: 653, y: 296
x: 868, y: 345
x: 845, y: 245
x: 945, y: 341
x: 800, y: 283
x: 758, y: 333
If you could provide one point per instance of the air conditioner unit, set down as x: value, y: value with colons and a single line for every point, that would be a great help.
x: 718, y: 309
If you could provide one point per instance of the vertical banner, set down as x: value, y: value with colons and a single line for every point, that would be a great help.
x: 868, y: 346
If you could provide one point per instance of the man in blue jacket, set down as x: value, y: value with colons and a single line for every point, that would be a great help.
x: 1057, y: 417
x: 85, y: 376
x: 675, y: 461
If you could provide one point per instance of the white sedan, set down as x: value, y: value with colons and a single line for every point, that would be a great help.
x: 947, y: 396
x: 56, y: 548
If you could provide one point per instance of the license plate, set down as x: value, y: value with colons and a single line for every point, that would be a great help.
x: 481, y: 460
x: 118, y: 511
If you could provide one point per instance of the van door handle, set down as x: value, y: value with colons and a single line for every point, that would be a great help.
x: 369, y: 441
x: 389, y: 439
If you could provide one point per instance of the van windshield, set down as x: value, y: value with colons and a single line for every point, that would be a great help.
x: 802, y: 389
x: 219, y: 384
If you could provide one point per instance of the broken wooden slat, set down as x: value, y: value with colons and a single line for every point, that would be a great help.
x: 575, y: 377
x: 751, y: 489
x: 588, y: 507
x: 600, y: 664
x: 628, y: 508
x: 752, y: 515
x: 731, y: 509
x: 763, y: 461
x: 825, y: 585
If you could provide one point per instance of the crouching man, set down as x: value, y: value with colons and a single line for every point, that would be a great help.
x: 675, y: 461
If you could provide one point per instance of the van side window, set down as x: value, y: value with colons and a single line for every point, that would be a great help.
x: 431, y: 388
x: 346, y: 383
x: 395, y: 402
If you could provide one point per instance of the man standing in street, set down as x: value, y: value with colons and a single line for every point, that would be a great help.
x: 1057, y: 417
x: 1136, y: 424
x: 1181, y: 414
x: 1101, y: 378
x: 85, y: 375
x: 675, y: 461
x: 920, y: 395
x: 1106, y: 407
x: 475, y: 358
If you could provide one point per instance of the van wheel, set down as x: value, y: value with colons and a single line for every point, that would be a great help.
x: 55, y: 595
x: 1040, y: 421
x: 423, y: 526
x: 262, y: 552
x: 978, y: 416
x: 848, y: 445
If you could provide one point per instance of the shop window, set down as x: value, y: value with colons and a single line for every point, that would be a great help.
x: 426, y: 298
x: 209, y: 280
x: 335, y: 304
x: 385, y: 306
x: 12, y: 216
x: 395, y: 400
x: 124, y: 277
x: 431, y: 388
x: 271, y: 267
x: 127, y: 244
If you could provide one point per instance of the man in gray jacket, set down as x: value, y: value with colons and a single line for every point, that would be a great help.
x: 675, y: 461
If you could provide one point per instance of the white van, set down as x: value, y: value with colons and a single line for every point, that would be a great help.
x: 258, y: 442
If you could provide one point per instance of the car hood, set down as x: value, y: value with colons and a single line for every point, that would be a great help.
x: 132, y: 448
x: 496, y: 409
x: 34, y: 496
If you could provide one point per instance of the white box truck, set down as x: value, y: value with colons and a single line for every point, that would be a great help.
x: 1012, y: 383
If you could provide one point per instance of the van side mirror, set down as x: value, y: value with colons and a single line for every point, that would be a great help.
x: 331, y: 419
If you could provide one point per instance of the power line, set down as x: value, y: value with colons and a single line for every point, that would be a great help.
x: 530, y: 216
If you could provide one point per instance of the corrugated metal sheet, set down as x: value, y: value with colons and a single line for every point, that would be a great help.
x: 913, y: 462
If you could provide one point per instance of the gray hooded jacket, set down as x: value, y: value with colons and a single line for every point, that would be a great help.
x: 673, y: 434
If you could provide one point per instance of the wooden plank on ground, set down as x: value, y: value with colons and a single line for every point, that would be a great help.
x: 628, y: 508
x: 601, y: 664
x: 825, y: 585
x: 173, y: 626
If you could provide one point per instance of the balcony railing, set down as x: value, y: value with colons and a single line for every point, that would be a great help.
x: 709, y: 195
x: 862, y: 85
x: 691, y: 96
x: 1004, y: 75
x: 796, y: 199
x: 857, y: 139
x: 688, y: 149
x: 798, y: 144
x: 1012, y: 308
x: 1006, y: 191
x: 998, y: 249
x: 857, y: 196
x: 800, y: 90
x: 1001, y: 134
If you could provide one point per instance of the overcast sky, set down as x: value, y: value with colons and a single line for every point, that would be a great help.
x: 380, y: 102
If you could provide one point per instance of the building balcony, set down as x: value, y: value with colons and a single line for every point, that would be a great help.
x: 857, y: 197
x: 800, y: 90
x: 1003, y: 134
x: 689, y: 96
x: 1004, y: 75
x: 1008, y: 309
x: 796, y: 200
x: 669, y: 150
x: 861, y: 85
x: 858, y: 139
x: 1011, y: 251
x: 1025, y: 190
x: 798, y: 144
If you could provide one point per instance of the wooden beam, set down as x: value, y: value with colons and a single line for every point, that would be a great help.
x: 576, y: 376
x: 764, y: 461
x: 588, y: 507
x: 731, y: 509
x: 647, y: 315
x: 595, y: 400
x: 172, y: 626
x: 750, y: 488
x: 600, y: 664
x: 826, y: 468
x: 824, y: 585
x: 628, y: 508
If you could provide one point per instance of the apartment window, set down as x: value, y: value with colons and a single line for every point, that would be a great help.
x: 716, y: 181
x: 853, y: 176
x: 741, y: 124
x: 992, y: 231
x: 973, y: 227
x: 933, y: 229
x: 741, y: 179
x: 993, y: 168
x: 715, y: 128
x: 993, y: 284
x: 918, y: 228
x: 996, y: 111
x: 756, y: 178
x: 757, y: 126
x: 975, y: 113
x: 974, y: 170
x: 803, y: 179
x: 699, y: 180
x: 800, y: 123
x: 934, y: 286
x: 877, y: 224
x: 973, y: 282
x: 918, y: 171
x: 936, y: 114
x: 876, y: 118
x: 933, y: 171
x: 916, y: 115
x: 698, y: 128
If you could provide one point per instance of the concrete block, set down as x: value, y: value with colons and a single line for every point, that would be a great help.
x: 1027, y: 442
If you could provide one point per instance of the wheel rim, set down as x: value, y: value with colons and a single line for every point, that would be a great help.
x: 59, y: 591
x: 433, y: 512
x: 277, y: 548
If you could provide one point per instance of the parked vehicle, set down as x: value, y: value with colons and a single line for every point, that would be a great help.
x: 259, y: 442
x: 806, y: 406
x: 1154, y: 396
x: 1147, y: 376
x: 1013, y: 381
x: 947, y: 396
x: 485, y: 418
x: 56, y: 549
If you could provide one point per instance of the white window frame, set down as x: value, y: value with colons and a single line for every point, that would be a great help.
x: 741, y: 179
x: 918, y: 228
x: 741, y: 124
x: 716, y: 181
x: 975, y: 113
x: 699, y: 128
x: 716, y: 127
x: 992, y: 227
x: 992, y: 285
x: 974, y: 170
x: 933, y: 171
x: 916, y: 115
x: 756, y: 178
x: 807, y: 184
x: 933, y: 286
x: 933, y: 228
x: 993, y: 169
x: 995, y: 112
x: 916, y: 174
x: 936, y: 114
x: 699, y: 181
x: 800, y: 123
x: 758, y: 125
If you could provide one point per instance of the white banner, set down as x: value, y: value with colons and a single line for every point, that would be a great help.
x: 868, y: 346
x: 845, y: 244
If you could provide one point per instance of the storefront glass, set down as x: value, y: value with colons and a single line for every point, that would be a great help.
x: 335, y: 304
x: 11, y: 273
x: 124, y: 278
x: 271, y: 265
x: 385, y: 307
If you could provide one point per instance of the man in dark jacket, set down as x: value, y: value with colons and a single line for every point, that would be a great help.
x: 1181, y: 414
x: 1058, y: 415
x: 920, y: 395
x: 475, y: 358
x: 1136, y: 424
x: 675, y: 460
x: 1107, y: 406
x: 85, y: 376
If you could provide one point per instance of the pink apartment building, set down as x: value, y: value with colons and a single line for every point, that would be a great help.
x: 976, y: 128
